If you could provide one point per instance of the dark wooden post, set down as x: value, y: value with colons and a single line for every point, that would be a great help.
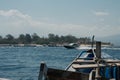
x: 43, y: 71
x: 98, y: 49
x: 98, y: 55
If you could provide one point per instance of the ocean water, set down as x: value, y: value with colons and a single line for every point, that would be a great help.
x: 23, y: 63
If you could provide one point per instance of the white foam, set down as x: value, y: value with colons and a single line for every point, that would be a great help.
x: 4, y: 79
x: 105, y: 55
x: 84, y: 47
x: 115, y: 48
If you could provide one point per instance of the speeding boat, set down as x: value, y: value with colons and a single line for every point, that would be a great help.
x: 71, y: 46
x: 88, y: 65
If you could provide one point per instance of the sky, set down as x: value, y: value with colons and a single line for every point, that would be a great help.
x: 80, y: 18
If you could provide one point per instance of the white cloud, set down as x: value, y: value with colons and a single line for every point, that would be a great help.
x: 100, y: 13
x: 15, y: 22
x: 13, y: 12
x: 17, y: 18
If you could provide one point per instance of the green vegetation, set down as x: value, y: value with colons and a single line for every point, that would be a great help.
x: 35, y: 39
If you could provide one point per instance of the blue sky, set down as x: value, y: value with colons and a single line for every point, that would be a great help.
x: 62, y: 17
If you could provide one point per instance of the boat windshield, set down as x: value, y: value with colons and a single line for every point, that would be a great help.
x: 86, y: 54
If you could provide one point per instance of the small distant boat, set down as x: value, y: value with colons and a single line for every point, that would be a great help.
x: 88, y: 65
x: 71, y: 46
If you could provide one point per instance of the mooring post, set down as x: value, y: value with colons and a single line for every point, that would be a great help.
x: 98, y: 55
x: 98, y: 49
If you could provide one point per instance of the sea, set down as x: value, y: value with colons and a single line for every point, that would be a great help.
x: 23, y: 63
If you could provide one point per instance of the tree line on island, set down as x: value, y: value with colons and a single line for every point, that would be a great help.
x: 35, y: 39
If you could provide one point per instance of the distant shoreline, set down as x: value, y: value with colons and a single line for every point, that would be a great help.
x: 49, y: 45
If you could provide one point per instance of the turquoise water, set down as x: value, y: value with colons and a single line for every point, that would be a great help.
x: 23, y: 63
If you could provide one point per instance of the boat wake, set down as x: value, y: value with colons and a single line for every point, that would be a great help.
x: 105, y: 55
x: 4, y: 79
x: 89, y: 47
x: 114, y: 48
